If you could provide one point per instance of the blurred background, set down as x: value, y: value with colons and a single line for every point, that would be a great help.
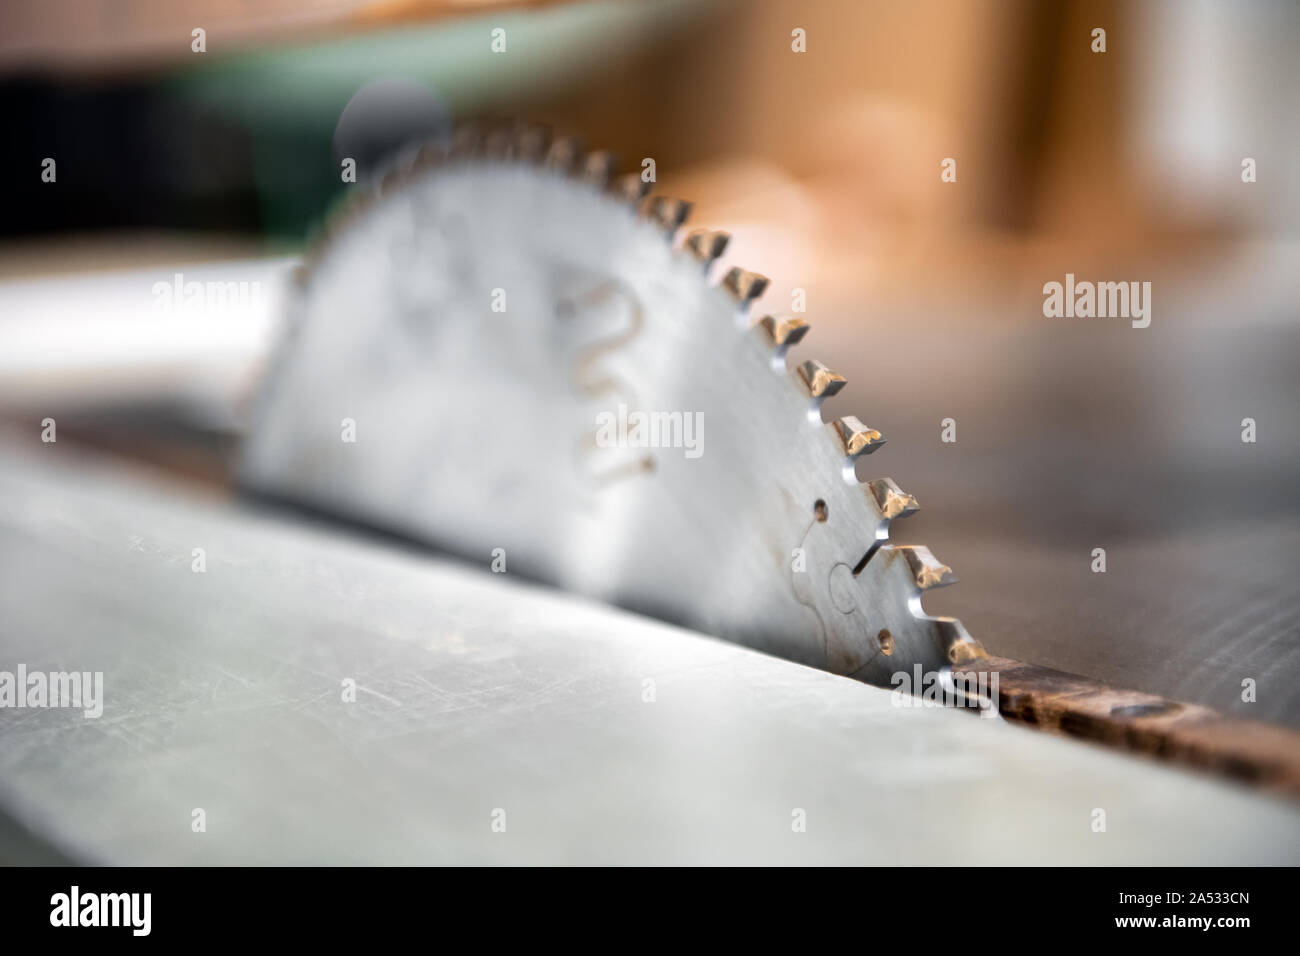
x: 825, y: 163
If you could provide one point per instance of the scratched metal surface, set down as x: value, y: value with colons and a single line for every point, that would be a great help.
x: 477, y: 693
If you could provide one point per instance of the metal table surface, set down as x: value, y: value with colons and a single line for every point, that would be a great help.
x: 476, y: 694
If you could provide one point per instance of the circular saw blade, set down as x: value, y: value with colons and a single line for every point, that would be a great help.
x: 496, y: 351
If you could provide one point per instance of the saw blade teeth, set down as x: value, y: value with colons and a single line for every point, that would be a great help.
x: 532, y: 140
x: 819, y: 380
x: 927, y: 570
x: 563, y: 154
x: 856, y: 437
x: 429, y: 155
x: 779, y: 335
x: 499, y: 143
x: 466, y: 141
x: 598, y: 168
x: 891, y: 500
x: 784, y: 332
x: 631, y: 188
x: 707, y: 245
x: 526, y: 141
x: 745, y: 286
x: 668, y: 213
x: 960, y: 647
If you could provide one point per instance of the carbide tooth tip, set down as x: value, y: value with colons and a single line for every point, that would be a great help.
x: 820, y: 381
x: 927, y: 571
x: 598, y: 167
x: 964, y: 652
x: 784, y: 332
x: 668, y: 213
x: 466, y: 140
x: 857, y: 438
x: 707, y: 245
x: 961, y: 647
x: 745, y: 286
x: 564, y: 153
x: 892, y: 500
x: 631, y: 188
x: 499, y: 143
x: 526, y: 141
x: 532, y: 140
